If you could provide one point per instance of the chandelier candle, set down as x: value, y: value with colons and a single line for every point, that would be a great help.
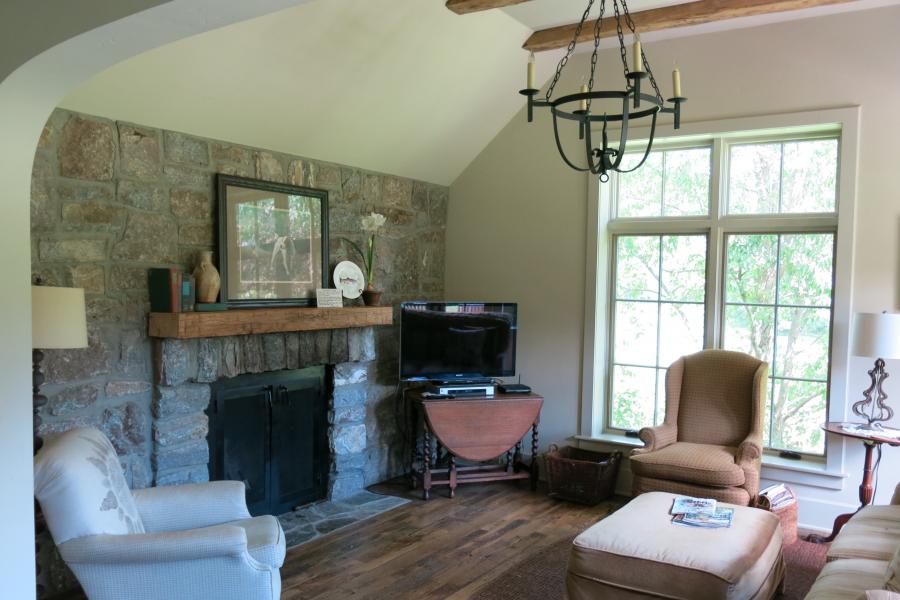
x: 638, y: 66
x: 531, y: 71
x: 676, y: 82
x: 595, y: 109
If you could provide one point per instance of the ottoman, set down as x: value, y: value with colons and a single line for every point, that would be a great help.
x: 638, y: 553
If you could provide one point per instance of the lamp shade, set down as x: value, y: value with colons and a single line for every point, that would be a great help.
x: 876, y: 335
x: 57, y: 318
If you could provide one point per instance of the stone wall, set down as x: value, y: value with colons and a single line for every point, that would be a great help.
x: 110, y: 200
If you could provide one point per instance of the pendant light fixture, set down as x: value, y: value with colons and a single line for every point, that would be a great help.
x: 592, y: 108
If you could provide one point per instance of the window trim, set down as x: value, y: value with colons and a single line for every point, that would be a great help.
x: 598, y: 265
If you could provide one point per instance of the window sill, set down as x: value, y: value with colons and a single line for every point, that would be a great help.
x: 802, y: 472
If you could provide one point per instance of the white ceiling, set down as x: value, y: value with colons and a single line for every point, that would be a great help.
x: 397, y: 86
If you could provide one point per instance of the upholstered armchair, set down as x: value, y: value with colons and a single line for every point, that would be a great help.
x: 193, y: 541
x: 710, y: 444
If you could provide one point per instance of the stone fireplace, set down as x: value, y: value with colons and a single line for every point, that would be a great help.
x: 185, y: 370
x: 112, y: 199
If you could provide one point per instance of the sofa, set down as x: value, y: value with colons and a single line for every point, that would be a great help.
x: 864, y: 559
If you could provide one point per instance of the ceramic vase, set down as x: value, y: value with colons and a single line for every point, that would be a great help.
x: 208, y: 280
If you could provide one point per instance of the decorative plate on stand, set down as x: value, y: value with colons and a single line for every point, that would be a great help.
x: 348, y: 278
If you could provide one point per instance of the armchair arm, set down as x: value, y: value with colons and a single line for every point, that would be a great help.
x: 750, y: 450
x: 209, y: 542
x: 658, y: 437
x: 180, y: 507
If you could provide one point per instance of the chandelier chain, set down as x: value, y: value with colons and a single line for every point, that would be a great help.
x: 565, y: 59
x: 597, y: 27
x: 622, y: 51
x: 630, y: 22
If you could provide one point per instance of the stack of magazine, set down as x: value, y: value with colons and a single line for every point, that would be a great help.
x: 776, y: 496
x: 700, y: 512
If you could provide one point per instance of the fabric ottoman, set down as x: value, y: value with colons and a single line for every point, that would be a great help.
x: 638, y: 553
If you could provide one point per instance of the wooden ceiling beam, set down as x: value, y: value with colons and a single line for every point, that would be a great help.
x: 462, y: 7
x: 669, y: 17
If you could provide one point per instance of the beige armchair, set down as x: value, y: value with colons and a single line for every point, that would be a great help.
x: 710, y: 444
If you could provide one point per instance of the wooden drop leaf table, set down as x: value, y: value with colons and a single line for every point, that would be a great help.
x: 477, y: 430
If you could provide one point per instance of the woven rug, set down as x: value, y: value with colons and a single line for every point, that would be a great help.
x: 542, y: 576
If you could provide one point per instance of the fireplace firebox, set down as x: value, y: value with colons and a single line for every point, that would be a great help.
x: 270, y: 430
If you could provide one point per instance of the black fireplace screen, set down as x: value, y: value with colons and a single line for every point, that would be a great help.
x: 270, y: 431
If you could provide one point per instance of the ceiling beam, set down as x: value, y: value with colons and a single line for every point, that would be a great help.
x: 669, y: 17
x: 462, y: 7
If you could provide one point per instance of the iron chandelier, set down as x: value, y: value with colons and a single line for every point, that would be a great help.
x: 602, y: 159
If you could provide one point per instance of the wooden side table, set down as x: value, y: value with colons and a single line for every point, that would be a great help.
x: 872, y: 440
x: 477, y: 430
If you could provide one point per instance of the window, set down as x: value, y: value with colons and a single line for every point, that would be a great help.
x: 727, y: 243
x: 658, y: 316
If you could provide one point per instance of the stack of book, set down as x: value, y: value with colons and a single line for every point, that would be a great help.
x: 776, y: 496
x: 700, y: 512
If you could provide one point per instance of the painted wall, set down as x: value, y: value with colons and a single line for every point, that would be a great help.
x: 516, y: 226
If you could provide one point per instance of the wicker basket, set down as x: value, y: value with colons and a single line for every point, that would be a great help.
x: 786, y: 514
x: 581, y: 475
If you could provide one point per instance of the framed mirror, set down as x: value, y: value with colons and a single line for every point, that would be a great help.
x: 272, y: 242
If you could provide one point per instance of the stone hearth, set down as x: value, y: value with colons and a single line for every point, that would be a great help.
x: 186, y: 368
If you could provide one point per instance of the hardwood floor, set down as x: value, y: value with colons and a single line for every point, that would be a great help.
x: 438, y: 549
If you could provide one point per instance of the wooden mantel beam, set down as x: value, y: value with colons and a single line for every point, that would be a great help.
x: 669, y: 17
x: 462, y: 7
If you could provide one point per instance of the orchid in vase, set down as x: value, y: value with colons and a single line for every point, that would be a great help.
x: 370, y: 223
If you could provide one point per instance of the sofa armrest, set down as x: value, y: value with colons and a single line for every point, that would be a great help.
x: 208, y: 542
x: 750, y: 450
x: 658, y: 437
x: 180, y: 507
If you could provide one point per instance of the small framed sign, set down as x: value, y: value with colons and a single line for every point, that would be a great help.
x: 326, y: 298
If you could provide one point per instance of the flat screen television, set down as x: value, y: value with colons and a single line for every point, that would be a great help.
x: 457, y: 340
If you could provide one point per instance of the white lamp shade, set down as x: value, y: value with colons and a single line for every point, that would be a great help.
x: 57, y: 318
x: 876, y: 335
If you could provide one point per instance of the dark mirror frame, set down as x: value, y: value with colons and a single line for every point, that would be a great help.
x: 222, y: 181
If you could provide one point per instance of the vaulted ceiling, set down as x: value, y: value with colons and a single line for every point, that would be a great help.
x: 397, y: 86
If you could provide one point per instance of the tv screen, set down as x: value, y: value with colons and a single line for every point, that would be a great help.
x: 457, y: 340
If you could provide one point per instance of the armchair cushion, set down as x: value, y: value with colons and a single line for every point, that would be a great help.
x: 190, y: 506
x: 701, y: 464
x: 78, y: 481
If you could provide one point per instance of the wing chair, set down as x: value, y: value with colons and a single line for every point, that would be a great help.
x: 189, y: 542
x: 710, y: 444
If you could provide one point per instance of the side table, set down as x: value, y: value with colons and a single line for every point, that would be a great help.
x: 474, y: 429
x: 872, y: 440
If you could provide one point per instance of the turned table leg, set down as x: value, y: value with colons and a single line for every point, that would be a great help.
x: 451, y: 475
x: 534, y: 453
x: 426, y: 467
x: 413, y: 449
x: 866, y: 492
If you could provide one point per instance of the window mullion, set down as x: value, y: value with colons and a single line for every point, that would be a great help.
x: 714, y: 240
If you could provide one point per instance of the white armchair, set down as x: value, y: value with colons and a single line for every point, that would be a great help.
x: 190, y: 542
